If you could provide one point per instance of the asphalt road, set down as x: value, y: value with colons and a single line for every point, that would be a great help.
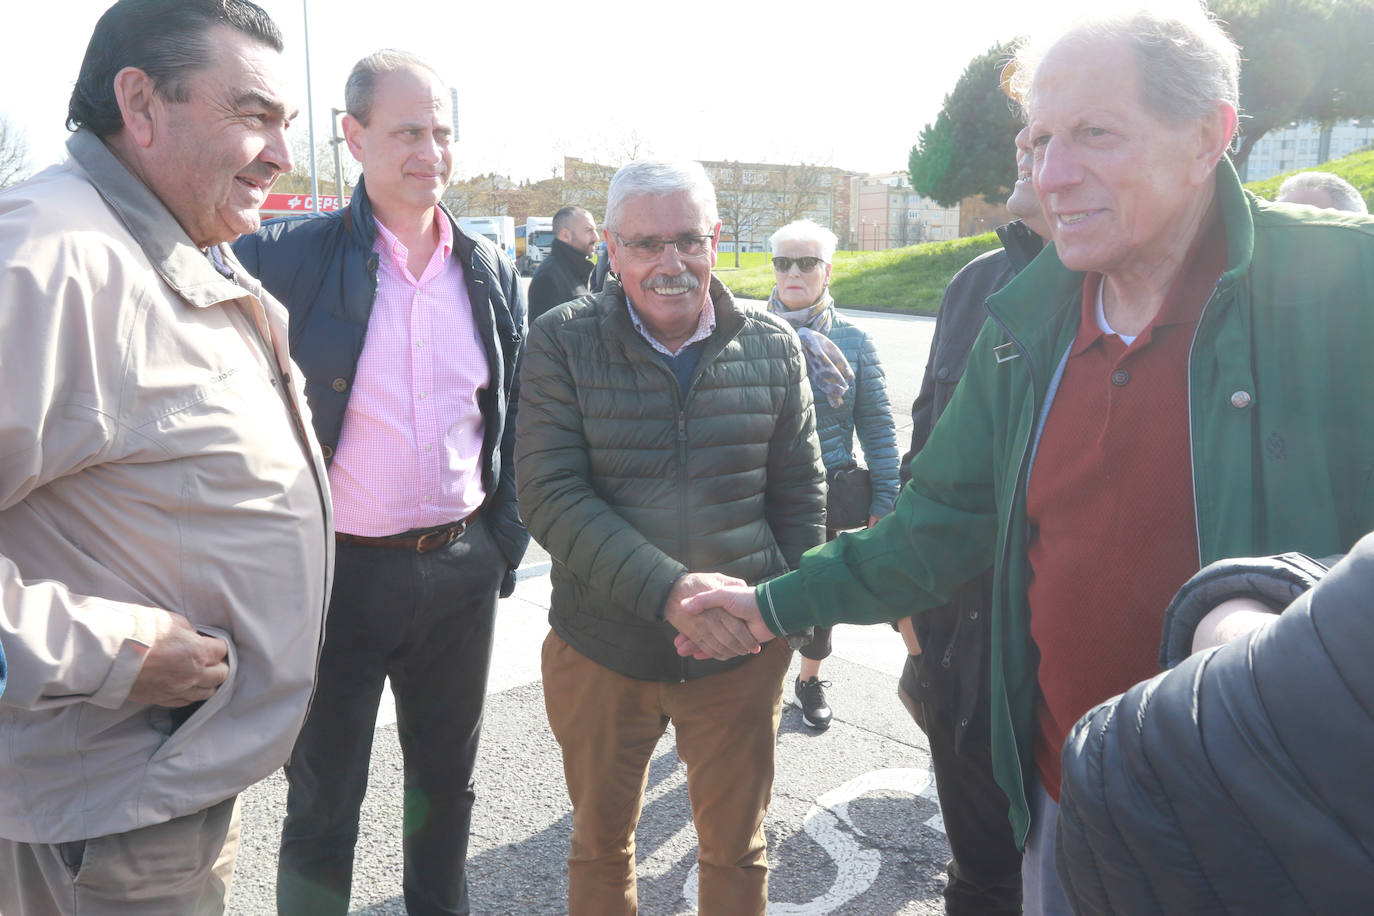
x: 853, y: 827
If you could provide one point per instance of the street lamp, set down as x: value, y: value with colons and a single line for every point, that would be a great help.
x: 310, y: 109
x: 335, y: 141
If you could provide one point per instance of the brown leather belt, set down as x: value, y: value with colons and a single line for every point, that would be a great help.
x: 424, y: 542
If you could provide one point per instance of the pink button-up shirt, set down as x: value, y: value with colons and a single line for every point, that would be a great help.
x: 409, y: 455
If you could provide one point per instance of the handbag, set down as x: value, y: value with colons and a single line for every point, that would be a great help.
x: 849, y: 494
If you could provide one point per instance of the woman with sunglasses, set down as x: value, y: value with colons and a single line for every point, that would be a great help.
x: 851, y: 396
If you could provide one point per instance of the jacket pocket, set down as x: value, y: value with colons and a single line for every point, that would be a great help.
x: 217, y: 701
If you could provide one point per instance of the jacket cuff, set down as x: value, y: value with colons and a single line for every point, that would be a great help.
x: 128, y: 662
x: 776, y: 598
x: 1276, y: 581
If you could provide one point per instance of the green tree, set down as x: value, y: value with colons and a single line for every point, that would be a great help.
x: 1302, y: 60
x: 968, y: 149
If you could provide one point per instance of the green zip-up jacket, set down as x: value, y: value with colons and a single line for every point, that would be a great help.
x: 1281, y: 414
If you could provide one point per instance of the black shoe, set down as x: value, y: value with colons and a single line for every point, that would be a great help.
x: 811, y: 698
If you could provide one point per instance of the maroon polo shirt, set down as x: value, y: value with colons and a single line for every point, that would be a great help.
x: 1110, y: 503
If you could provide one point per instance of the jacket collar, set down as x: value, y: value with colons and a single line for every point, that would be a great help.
x: 183, y: 266
x: 359, y: 224
x: 570, y: 254
x: 1046, y: 287
x: 1020, y: 243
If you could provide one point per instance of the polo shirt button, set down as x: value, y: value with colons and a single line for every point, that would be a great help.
x: 340, y: 384
x: 1241, y: 399
x: 943, y: 373
x: 972, y: 615
x: 1120, y: 377
x: 963, y: 723
x: 326, y: 451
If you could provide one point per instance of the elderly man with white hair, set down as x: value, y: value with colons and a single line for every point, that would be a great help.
x: 1322, y: 190
x: 665, y: 441
x: 1182, y: 377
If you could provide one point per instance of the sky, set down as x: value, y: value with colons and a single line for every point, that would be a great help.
x: 845, y: 85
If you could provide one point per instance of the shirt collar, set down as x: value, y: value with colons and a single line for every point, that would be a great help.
x: 1188, y: 293
x: 706, y: 325
x: 388, y: 244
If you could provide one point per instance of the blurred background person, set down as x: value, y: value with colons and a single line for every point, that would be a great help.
x: 564, y: 275
x: 1322, y: 190
x: 851, y: 397
x: 945, y: 687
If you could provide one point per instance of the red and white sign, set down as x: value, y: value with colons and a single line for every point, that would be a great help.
x: 300, y: 203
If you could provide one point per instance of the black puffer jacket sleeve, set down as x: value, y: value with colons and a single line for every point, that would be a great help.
x: 1238, y: 782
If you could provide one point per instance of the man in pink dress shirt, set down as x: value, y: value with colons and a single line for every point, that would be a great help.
x: 409, y: 333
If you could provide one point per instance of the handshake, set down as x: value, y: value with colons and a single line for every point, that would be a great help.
x: 715, y: 615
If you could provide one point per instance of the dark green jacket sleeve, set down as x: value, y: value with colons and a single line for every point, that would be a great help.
x: 560, y: 507
x: 941, y: 534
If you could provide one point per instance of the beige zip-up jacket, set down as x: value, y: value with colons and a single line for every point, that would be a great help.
x: 155, y: 452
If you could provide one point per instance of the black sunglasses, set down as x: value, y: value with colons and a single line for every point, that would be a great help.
x: 806, y: 265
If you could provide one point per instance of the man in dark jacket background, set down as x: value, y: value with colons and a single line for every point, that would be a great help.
x: 666, y: 442
x: 409, y: 333
x: 564, y: 274
x: 945, y: 682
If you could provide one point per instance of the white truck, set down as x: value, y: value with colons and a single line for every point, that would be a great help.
x: 533, y: 242
x: 500, y: 229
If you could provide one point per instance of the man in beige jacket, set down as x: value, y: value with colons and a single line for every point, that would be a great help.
x: 165, y: 548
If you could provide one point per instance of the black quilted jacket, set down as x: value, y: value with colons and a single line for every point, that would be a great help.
x: 1240, y: 781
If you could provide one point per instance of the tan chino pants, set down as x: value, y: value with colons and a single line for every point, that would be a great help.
x: 608, y: 726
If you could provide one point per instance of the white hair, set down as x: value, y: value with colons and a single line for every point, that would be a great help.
x: 1187, y: 61
x: 660, y: 178
x: 804, y: 230
x: 1343, y: 194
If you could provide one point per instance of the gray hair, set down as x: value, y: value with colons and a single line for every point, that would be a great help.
x: 1343, y: 194
x: 804, y: 230
x: 660, y: 178
x: 1187, y: 62
x: 563, y: 219
x: 362, y: 81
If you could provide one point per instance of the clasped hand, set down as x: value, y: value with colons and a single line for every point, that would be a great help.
x: 716, y: 616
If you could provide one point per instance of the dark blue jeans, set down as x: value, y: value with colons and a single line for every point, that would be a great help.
x: 425, y: 621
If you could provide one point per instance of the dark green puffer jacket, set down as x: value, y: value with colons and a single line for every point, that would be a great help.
x: 627, y: 484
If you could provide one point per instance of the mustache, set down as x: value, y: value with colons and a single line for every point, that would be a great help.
x: 673, y: 281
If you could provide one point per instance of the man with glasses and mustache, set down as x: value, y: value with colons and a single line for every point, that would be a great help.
x: 666, y: 443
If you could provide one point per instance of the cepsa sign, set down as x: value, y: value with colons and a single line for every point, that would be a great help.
x: 300, y: 203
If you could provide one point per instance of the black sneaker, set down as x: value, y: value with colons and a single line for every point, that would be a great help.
x: 811, y: 699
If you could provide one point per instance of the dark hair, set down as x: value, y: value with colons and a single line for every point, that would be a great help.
x: 362, y: 80
x: 564, y: 217
x: 166, y: 39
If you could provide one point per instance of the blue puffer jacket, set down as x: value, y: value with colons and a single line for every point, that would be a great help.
x: 865, y: 410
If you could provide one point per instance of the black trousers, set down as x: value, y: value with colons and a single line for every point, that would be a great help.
x: 985, y: 865
x: 426, y: 622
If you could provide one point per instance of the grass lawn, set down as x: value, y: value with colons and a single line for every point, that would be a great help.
x: 913, y: 279
x: 1357, y: 168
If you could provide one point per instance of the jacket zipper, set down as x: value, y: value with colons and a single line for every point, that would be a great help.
x: 1192, y: 440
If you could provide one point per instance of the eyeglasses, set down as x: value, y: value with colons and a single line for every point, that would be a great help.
x: 688, y: 246
x: 805, y: 265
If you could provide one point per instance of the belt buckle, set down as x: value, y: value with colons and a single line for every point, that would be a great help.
x: 433, y: 540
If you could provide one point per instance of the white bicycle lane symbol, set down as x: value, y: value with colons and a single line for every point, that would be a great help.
x: 856, y: 866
